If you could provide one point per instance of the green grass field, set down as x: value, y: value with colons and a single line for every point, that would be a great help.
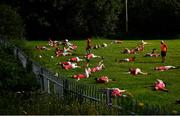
x: 137, y: 85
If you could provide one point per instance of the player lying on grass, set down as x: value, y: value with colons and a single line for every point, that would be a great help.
x: 136, y: 71
x: 75, y: 59
x: 103, y: 79
x: 103, y: 45
x: 69, y: 66
x: 116, y: 92
x: 160, y: 85
x: 99, y: 67
x: 164, y: 68
x: 117, y: 42
x: 152, y: 54
x: 53, y: 43
x: 59, y: 52
x: 128, y: 51
x: 86, y: 74
x: 90, y: 56
x: 39, y: 47
x: 131, y: 59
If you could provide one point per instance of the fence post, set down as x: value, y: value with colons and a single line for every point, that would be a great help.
x: 108, y: 97
x: 65, y: 86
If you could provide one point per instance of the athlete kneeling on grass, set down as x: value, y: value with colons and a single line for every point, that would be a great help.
x: 83, y: 75
x: 135, y: 71
x: 164, y: 68
x: 160, y: 85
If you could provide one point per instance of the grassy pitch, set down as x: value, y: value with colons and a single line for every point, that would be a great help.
x: 138, y: 85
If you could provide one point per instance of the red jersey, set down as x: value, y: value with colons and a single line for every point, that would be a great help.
x: 79, y: 76
x: 67, y: 67
x: 89, y: 56
x: 162, y: 68
x: 74, y: 59
x: 103, y: 79
x: 116, y: 92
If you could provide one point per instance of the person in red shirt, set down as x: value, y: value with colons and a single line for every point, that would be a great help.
x: 131, y: 59
x: 164, y: 68
x: 75, y: 59
x: 71, y: 66
x: 160, y: 85
x: 83, y: 75
x: 99, y: 67
x: 152, y: 54
x: 136, y: 71
x: 90, y: 56
x: 116, y: 92
x: 163, y: 51
x: 128, y: 51
x: 102, y: 79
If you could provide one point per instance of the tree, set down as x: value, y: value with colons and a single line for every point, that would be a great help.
x: 11, y: 24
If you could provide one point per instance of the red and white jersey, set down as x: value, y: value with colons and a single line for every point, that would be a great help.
x: 103, y: 79
x: 117, y: 92
x: 67, y: 67
x: 95, y: 69
x: 66, y: 63
x: 73, y: 47
x: 74, y: 59
x: 89, y: 56
x: 132, y: 51
x: 130, y: 60
x: 135, y: 71
x: 162, y: 68
x: 159, y: 85
x: 79, y: 76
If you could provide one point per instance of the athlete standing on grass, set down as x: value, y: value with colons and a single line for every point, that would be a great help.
x: 163, y: 51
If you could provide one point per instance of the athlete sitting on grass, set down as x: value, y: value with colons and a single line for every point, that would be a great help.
x: 160, y: 85
x: 99, y: 67
x: 136, y: 71
x: 131, y: 59
x: 164, y: 68
x: 152, y: 54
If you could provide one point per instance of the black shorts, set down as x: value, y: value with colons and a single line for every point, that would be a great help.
x: 163, y: 53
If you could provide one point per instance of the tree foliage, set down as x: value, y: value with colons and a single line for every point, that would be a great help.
x: 11, y: 24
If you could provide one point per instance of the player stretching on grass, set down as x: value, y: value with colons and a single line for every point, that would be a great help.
x: 136, y: 71
x: 131, y: 59
x: 164, y: 68
x: 160, y: 85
